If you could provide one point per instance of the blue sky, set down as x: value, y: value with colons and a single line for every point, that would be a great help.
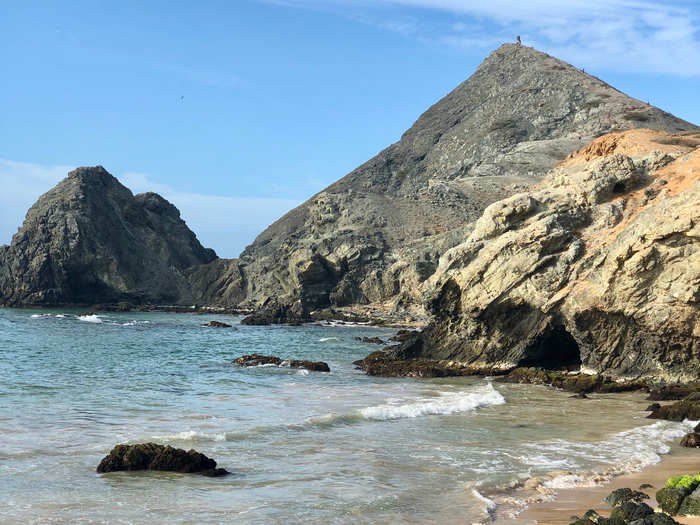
x: 238, y: 110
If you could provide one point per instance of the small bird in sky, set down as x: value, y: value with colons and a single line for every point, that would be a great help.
x: 182, y: 97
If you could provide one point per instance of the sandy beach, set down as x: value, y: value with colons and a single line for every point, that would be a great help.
x: 576, y: 501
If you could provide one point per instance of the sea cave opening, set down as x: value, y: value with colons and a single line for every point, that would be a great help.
x: 554, y: 349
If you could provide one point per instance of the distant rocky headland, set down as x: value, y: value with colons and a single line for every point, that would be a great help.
x: 526, y: 216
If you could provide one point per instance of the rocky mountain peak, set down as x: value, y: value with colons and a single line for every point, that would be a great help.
x: 376, y: 234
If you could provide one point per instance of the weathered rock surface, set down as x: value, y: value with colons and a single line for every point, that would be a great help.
x: 259, y: 360
x: 580, y: 383
x: 596, y: 268
x: 89, y: 240
x: 383, y: 364
x: 620, y: 496
x: 376, y: 235
x: 151, y: 456
x: 670, y: 498
x: 691, y: 440
x: 677, y: 411
x: 628, y: 508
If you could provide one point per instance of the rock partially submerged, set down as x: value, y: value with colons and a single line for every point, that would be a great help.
x: 152, y: 456
x: 569, y: 382
x: 383, y: 364
x: 217, y: 324
x: 678, y: 411
x: 371, y: 340
x: 259, y: 360
x: 673, y: 392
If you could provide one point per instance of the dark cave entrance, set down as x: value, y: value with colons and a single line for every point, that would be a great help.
x: 555, y: 349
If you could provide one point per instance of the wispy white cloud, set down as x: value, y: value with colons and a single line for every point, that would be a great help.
x: 617, y: 35
x: 227, y: 224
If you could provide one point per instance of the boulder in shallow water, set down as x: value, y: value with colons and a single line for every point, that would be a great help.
x: 258, y: 360
x: 371, y: 340
x: 152, y: 456
x: 678, y: 411
x: 621, y: 496
x: 672, y: 392
x: 217, y: 324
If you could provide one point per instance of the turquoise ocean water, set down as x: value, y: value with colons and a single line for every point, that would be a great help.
x: 303, y: 447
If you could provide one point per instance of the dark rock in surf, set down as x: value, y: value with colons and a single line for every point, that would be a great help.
x: 217, y: 324
x: 624, y: 495
x: 672, y: 392
x: 677, y: 411
x: 580, y: 395
x: 383, y: 364
x: 151, y: 456
x: 259, y: 360
x: 578, y: 382
x: 371, y: 340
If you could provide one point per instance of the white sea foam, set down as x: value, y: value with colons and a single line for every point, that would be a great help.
x: 633, y: 450
x: 192, y: 436
x: 89, y: 318
x: 302, y: 372
x: 60, y: 316
x: 446, y: 403
x: 39, y: 316
x: 326, y: 339
x: 489, y: 504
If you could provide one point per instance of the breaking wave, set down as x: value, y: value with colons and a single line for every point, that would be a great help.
x: 90, y: 318
x: 446, y: 403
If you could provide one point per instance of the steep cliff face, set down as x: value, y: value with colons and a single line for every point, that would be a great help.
x: 377, y: 234
x: 89, y: 240
x: 597, y: 267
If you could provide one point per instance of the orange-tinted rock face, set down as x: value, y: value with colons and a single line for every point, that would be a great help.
x: 605, y: 250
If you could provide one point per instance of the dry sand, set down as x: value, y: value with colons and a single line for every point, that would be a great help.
x: 577, y: 501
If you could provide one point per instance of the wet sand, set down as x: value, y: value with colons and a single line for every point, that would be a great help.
x: 577, y: 501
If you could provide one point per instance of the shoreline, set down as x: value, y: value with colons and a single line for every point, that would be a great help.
x: 576, y: 501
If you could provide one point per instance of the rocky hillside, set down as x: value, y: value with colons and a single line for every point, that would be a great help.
x: 89, y: 240
x: 597, y: 267
x: 375, y: 235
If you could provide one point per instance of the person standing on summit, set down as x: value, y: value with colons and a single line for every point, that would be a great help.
x: 517, y: 40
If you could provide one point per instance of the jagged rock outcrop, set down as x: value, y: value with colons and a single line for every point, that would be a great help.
x: 377, y: 234
x: 90, y: 240
x: 596, y: 268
